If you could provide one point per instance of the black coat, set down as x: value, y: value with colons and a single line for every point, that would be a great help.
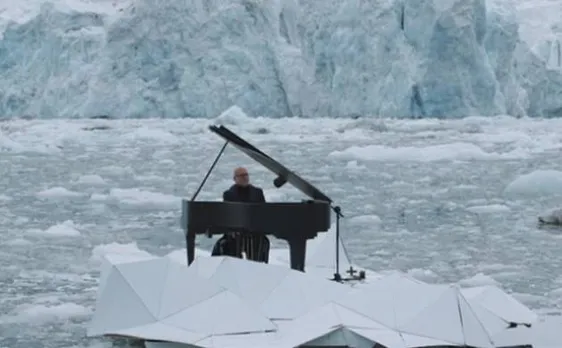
x: 248, y: 194
x: 230, y: 245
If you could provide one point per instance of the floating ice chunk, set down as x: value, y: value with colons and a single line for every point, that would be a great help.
x: 479, y: 279
x: 58, y: 193
x: 167, y: 161
x: 366, y: 220
x: 161, y: 154
x: 18, y: 242
x: 443, y: 152
x: 354, y: 165
x: 489, y: 209
x: 119, y: 253
x: 234, y: 115
x: 117, y: 170
x: 98, y: 197
x: 46, y: 313
x: 21, y: 147
x: 151, y: 177
x: 138, y: 197
x: 65, y: 229
x: 537, y: 183
x: 91, y: 179
x: 153, y: 135
x: 423, y: 274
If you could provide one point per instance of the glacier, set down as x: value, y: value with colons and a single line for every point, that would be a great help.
x: 280, y: 58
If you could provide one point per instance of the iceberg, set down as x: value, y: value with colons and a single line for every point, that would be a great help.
x: 178, y: 58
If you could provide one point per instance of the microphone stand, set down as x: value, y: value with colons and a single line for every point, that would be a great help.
x: 339, y: 215
x: 337, y: 276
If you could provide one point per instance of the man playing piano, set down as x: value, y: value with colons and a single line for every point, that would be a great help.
x: 256, y: 246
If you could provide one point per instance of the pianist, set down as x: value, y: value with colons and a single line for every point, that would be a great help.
x: 255, y: 246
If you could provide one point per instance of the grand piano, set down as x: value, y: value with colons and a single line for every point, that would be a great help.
x: 293, y: 222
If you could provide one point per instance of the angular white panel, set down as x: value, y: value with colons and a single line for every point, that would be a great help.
x: 377, y: 304
x: 206, y: 266
x: 162, y: 332
x: 147, y: 279
x: 474, y: 332
x: 183, y: 289
x: 317, y: 291
x: 493, y: 324
x: 228, y: 302
x: 409, y: 298
x: 500, y: 304
x: 224, y: 313
x: 119, y: 307
x: 250, y: 280
x: 440, y: 319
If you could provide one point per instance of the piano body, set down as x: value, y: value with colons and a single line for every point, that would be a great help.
x: 294, y: 222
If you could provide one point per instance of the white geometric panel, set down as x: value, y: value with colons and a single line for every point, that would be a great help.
x: 118, y: 308
x: 183, y: 289
x: 146, y: 277
x: 440, y: 319
x: 224, y: 313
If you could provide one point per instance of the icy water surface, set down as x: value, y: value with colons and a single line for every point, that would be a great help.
x: 428, y: 199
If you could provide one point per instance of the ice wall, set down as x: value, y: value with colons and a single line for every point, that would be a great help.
x: 195, y: 58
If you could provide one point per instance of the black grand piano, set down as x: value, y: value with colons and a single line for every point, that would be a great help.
x: 294, y: 222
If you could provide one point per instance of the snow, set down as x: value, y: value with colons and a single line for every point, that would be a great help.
x: 392, y: 58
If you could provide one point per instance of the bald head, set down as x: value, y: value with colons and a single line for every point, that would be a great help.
x: 241, y: 176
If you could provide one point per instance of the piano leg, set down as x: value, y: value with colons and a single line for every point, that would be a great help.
x: 297, y: 248
x: 190, y: 246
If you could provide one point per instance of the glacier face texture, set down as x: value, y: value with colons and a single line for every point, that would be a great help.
x: 277, y: 58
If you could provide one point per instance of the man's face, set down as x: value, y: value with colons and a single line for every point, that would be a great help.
x: 241, y: 177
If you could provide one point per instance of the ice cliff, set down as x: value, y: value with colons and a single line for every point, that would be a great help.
x: 195, y: 58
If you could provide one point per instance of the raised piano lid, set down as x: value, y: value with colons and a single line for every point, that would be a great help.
x: 280, y: 170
